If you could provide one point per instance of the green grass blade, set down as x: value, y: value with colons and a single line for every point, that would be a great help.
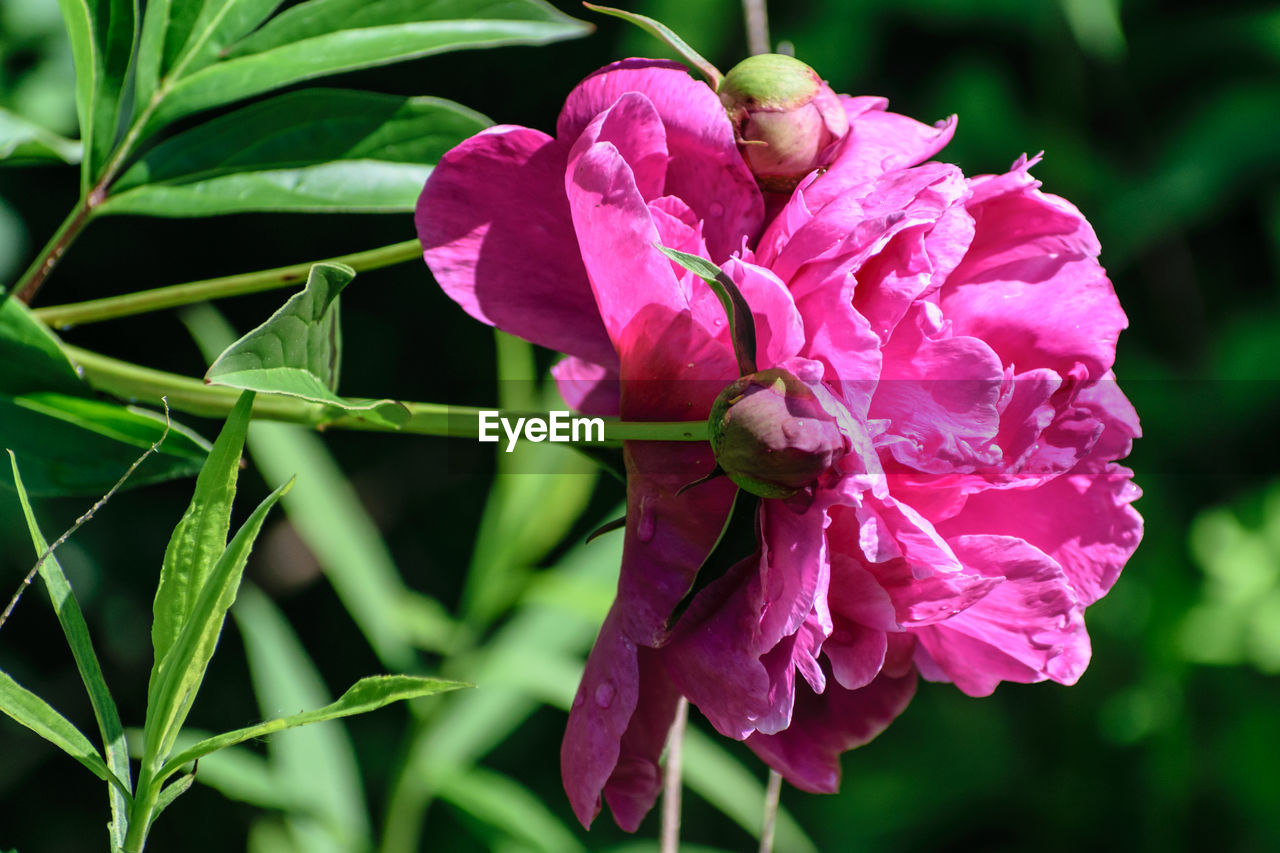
x: 504, y: 804
x: 105, y: 712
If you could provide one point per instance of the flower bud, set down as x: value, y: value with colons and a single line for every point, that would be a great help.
x: 771, y: 435
x: 784, y: 117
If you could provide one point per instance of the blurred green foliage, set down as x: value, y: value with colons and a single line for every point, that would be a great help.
x: 1157, y: 119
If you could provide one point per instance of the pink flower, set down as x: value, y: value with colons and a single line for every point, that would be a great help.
x: 960, y: 332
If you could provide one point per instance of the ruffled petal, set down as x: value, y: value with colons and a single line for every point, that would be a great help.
x: 636, y: 780
x: 587, y: 387
x: 1027, y: 629
x: 497, y: 234
x: 823, y: 726
x: 705, y: 170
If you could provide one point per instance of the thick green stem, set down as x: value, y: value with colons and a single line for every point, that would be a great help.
x: 26, y: 287
x: 157, y: 299
x: 144, y: 806
x: 185, y: 394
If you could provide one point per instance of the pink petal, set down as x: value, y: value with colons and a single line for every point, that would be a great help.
x: 856, y: 653
x: 1031, y: 286
x: 497, y: 235
x: 780, y: 332
x: 706, y: 169
x: 1027, y: 629
x: 807, y: 753
x: 632, y: 126
x: 587, y: 387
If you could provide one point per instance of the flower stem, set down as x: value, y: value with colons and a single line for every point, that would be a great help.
x: 157, y: 299
x: 772, y: 793
x: 186, y: 394
x: 26, y: 287
x: 670, y: 839
x: 757, y: 21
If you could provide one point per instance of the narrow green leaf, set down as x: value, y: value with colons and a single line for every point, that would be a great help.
x: 296, y: 351
x: 28, y: 709
x: 23, y: 141
x: 77, y: 633
x: 367, y: 694
x: 102, y: 35
x: 200, y: 536
x: 75, y: 446
x: 316, y: 766
x: 314, y: 150
x: 742, y: 323
x: 667, y: 36
x: 171, y: 792
x: 322, y: 37
x: 174, y: 687
x: 504, y: 804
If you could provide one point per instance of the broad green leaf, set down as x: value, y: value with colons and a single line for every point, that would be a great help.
x: 32, y: 358
x: 201, y: 534
x: 504, y: 804
x: 367, y: 694
x: 24, y: 141
x: 331, y: 520
x: 178, y: 676
x: 67, y: 609
x: 322, y: 37
x: 102, y: 34
x: 317, y: 765
x: 70, y: 444
x: 74, y: 446
x: 28, y: 709
x: 184, y: 37
x: 742, y: 323
x: 665, y: 34
x: 308, y: 151
x: 296, y: 352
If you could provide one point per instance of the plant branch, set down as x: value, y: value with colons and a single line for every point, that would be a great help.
x: 160, y: 298
x: 772, y: 793
x: 26, y: 287
x: 670, y: 839
x: 757, y: 21
x: 186, y: 394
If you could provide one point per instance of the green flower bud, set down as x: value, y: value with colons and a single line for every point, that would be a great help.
x: 784, y: 117
x: 771, y: 435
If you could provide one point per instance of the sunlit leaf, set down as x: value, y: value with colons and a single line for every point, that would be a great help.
x: 666, y: 35
x: 24, y: 141
x: 297, y: 351
x: 322, y: 37
x: 102, y: 35
x: 308, y: 151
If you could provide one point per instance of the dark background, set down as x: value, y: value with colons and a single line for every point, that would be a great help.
x: 1158, y: 120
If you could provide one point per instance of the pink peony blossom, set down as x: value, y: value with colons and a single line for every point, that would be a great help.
x: 959, y: 330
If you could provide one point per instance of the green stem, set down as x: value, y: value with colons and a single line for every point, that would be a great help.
x: 157, y: 299
x: 144, y: 805
x: 26, y: 287
x: 185, y: 394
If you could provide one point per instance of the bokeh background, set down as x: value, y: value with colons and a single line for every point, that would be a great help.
x: 1158, y: 119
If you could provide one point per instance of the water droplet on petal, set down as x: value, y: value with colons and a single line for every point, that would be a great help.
x: 604, y: 694
x: 793, y: 429
x: 715, y: 209
x: 578, y: 700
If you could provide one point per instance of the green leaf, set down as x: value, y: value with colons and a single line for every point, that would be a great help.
x: 178, y: 676
x: 316, y: 768
x: 77, y: 633
x: 102, y: 35
x: 742, y: 324
x: 28, y: 709
x: 308, y: 151
x: 74, y: 446
x: 322, y: 37
x: 328, y: 515
x: 171, y: 792
x: 22, y: 141
x: 504, y: 804
x: 367, y: 694
x: 201, y: 535
x: 667, y: 36
x: 183, y: 39
x: 296, y: 352
x: 70, y: 444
